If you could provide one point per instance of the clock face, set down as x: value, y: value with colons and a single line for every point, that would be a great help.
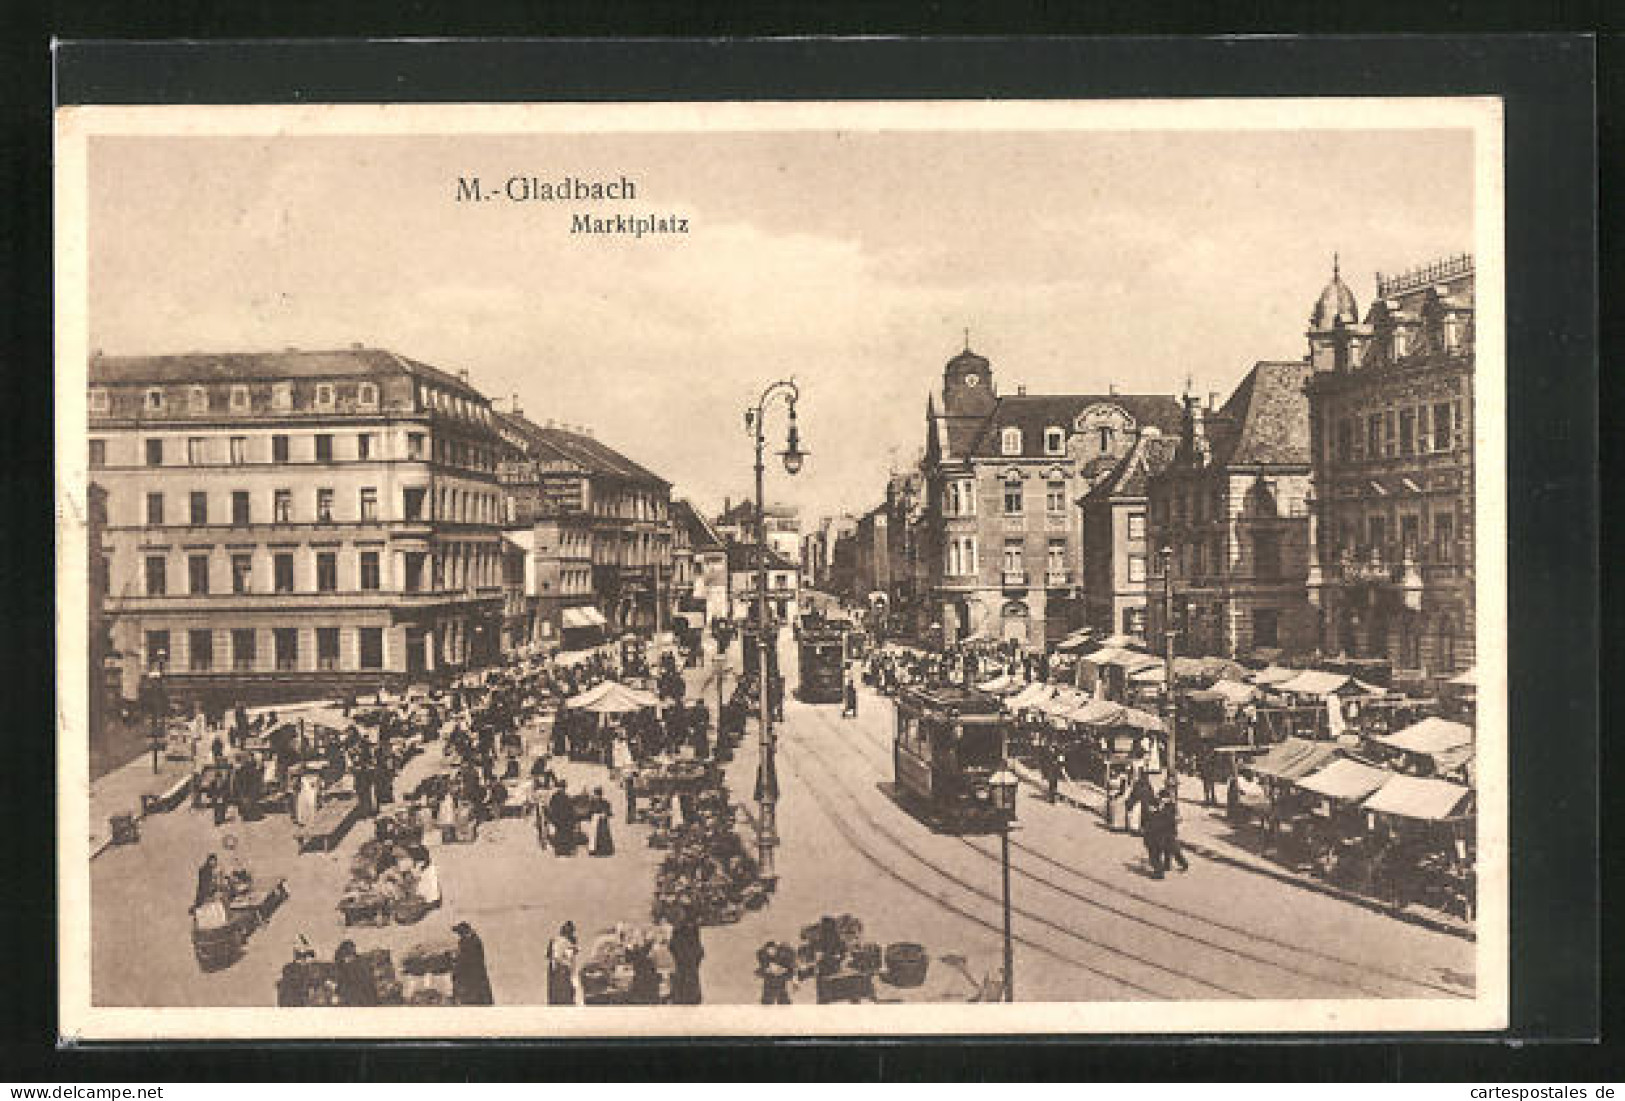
x: 972, y: 380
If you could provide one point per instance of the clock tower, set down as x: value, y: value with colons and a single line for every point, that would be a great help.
x: 967, y: 385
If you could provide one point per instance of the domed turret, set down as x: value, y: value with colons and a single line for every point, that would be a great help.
x: 967, y: 384
x: 1336, y: 304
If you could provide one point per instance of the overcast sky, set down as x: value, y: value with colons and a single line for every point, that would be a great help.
x: 852, y: 261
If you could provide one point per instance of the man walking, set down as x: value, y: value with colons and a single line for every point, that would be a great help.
x: 1163, y: 822
x: 849, y: 707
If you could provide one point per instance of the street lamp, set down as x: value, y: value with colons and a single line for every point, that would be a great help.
x: 1001, y: 787
x: 767, y: 788
x: 1167, y: 556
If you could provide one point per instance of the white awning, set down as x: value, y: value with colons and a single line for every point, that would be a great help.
x: 577, y: 618
x: 1418, y: 797
x: 1431, y: 736
x: 1347, y: 780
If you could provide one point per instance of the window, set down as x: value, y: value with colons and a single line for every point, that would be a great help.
x: 242, y: 649
x: 196, y: 450
x: 242, y: 573
x: 1377, y: 533
x: 282, y: 506
x: 282, y: 396
x: 1136, y: 567
x: 1444, y: 537
x: 1443, y: 436
x: 1010, y: 441
x: 324, y: 395
x: 324, y: 447
x: 198, y: 398
x: 200, y: 650
x: 1389, y: 435
x: 98, y: 454
x: 99, y: 402
x: 1345, y: 440
x: 363, y: 445
x: 324, y: 506
x: 157, y: 649
x: 157, y: 575
x: 1054, y: 441
x: 286, y: 640
x: 327, y: 647
x: 1373, y: 436
x: 1407, y: 431
x: 1012, y: 497
x: 1136, y: 525
x: 282, y: 563
x: 327, y: 572
x: 155, y: 509
x: 367, y: 395
x: 1105, y: 438
x: 369, y: 502
x: 199, y: 508
x: 279, y: 449
x: 1013, y: 552
x: 197, y: 574
x: 372, y: 647
x: 239, y: 399
x: 155, y: 401
x: 239, y: 508
x: 1267, y: 554
x: 412, y: 502
x: 1055, y: 558
x: 414, y: 571
x: 369, y: 571
x: 239, y: 450
x: 1055, y: 497
x: 1134, y: 621
x: 155, y: 452
x: 414, y: 445
x: 1266, y: 627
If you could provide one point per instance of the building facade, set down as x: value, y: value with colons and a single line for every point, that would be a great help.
x: 707, y: 587
x: 1232, y: 507
x: 999, y: 537
x: 783, y: 582
x: 1392, y: 416
x: 1117, y: 548
x: 294, y: 523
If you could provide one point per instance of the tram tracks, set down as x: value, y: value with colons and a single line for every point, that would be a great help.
x: 1325, y: 968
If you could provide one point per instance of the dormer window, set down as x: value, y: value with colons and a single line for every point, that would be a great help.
x: 1054, y: 441
x: 324, y: 395
x: 1105, y: 438
x: 367, y: 395
x: 239, y: 399
x: 198, y: 397
x: 1010, y: 441
x: 155, y: 400
x: 282, y: 396
x: 99, y: 401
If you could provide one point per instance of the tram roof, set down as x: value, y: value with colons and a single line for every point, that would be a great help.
x: 948, y: 698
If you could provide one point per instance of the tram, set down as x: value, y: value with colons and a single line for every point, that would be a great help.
x: 948, y: 742
x: 821, y: 653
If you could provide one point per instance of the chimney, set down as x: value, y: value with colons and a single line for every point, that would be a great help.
x: 462, y: 375
x: 1021, y: 390
x: 1212, y: 400
x: 513, y: 401
x: 1111, y: 389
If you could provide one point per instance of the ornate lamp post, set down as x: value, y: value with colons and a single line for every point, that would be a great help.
x: 1001, y: 788
x: 767, y: 784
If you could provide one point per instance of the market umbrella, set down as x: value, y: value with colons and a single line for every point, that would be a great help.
x: 615, y: 699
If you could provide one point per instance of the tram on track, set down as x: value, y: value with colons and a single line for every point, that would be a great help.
x: 821, y: 665
x: 948, y: 742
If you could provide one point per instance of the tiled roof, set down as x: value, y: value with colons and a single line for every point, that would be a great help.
x: 701, y: 535
x: 201, y: 367
x: 1268, y: 417
x: 742, y: 556
x: 582, y: 450
x: 1034, y: 413
x: 1149, y: 456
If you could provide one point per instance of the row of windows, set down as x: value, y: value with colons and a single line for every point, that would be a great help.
x: 1015, y: 497
x: 1411, y: 430
x: 240, y: 451
x: 239, y: 399
x: 1376, y: 537
x: 452, y: 569
x: 245, y: 652
x: 1054, y: 440
x: 455, y: 505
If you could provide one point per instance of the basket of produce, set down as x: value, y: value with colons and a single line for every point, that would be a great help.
x: 906, y: 964
x: 866, y: 958
x: 434, y: 958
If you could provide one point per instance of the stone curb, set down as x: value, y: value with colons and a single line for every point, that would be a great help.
x: 1279, y: 874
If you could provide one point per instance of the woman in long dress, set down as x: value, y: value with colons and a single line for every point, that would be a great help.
x: 308, y: 799
x: 603, y: 841
x: 561, y: 965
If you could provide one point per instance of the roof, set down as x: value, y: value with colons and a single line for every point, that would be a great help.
x: 1429, y: 737
x: 701, y: 535
x: 1293, y: 758
x: 742, y: 557
x: 1419, y: 797
x: 1268, y: 417
x: 269, y: 367
x: 1336, y: 303
x: 1149, y: 456
x: 584, y: 451
x: 1034, y: 413
x: 1346, y: 779
x: 1317, y: 682
x: 745, y: 512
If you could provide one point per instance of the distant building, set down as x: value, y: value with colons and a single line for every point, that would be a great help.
x: 998, y: 538
x: 1232, y: 505
x: 706, y: 587
x: 783, y: 523
x: 292, y: 524
x: 1116, y: 548
x: 1392, y: 403
x: 783, y: 581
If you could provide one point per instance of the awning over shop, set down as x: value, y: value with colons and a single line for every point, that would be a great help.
x: 1430, y: 737
x: 1274, y: 675
x: 575, y: 619
x: 1347, y: 780
x: 1139, y: 720
x: 1418, y: 797
x: 1317, y: 682
x: 1030, y: 696
x: 1074, y: 642
x: 1233, y: 691
x: 1131, y: 661
x: 1001, y: 685
x: 1097, y: 713
x: 1293, y: 758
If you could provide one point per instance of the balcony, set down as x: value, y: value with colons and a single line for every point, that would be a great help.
x: 1014, y: 579
x: 1057, y: 578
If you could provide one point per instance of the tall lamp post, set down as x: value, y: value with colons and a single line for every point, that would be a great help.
x: 1002, y: 789
x: 1167, y: 556
x: 767, y: 784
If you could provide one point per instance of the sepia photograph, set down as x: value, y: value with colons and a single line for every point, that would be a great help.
x: 781, y: 569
